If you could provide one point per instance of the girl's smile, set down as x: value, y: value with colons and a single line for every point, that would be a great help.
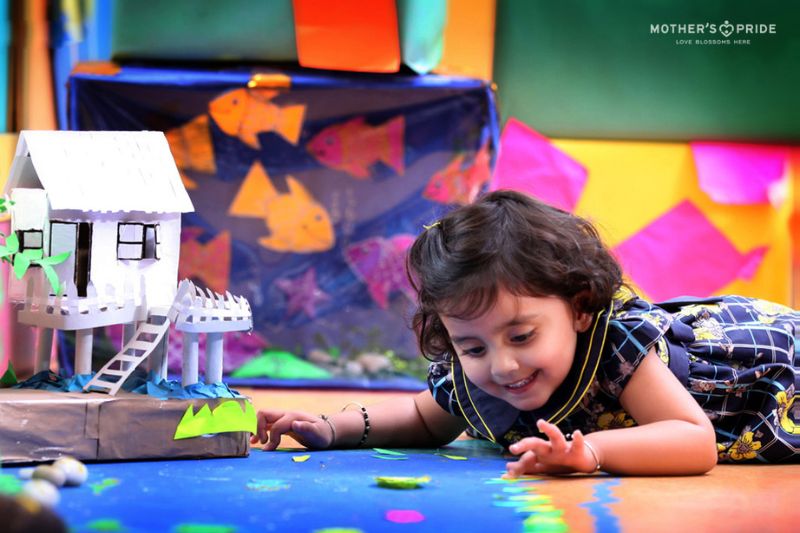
x: 521, y: 349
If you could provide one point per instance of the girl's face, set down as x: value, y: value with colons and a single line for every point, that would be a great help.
x: 521, y: 349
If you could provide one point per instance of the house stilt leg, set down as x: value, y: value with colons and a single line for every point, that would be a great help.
x: 213, y: 358
x: 191, y: 345
x: 44, y: 349
x: 83, y: 351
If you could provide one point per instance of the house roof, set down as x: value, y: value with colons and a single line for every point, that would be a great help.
x: 106, y: 171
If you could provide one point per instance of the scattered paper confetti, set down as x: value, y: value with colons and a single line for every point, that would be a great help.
x: 204, y: 528
x: 387, y: 452
x: 301, y: 458
x: 267, y: 485
x: 101, y: 486
x: 402, y: 516
x: 453, y: 457
x: 401, y: 482
x: 105, y: 524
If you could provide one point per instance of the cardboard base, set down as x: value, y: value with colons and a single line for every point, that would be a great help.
x: 37, y: 425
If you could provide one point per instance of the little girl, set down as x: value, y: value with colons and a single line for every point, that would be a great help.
x: 538, y: 345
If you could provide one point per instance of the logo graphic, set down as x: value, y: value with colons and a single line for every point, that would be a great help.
x: 726, y: 29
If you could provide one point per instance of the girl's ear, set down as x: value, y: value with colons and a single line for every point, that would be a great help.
x: 582, y: 319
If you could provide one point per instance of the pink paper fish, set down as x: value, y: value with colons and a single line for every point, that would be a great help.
x: 208, y: 262
x: 456, y: 185
x: 682, y: 253
x: 354, y: 146
x: 528, y: 162
x: 380, y: 263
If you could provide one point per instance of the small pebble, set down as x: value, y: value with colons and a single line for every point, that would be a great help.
x: 54, y: 475
x: 75, y: 471
x: 42, y: 491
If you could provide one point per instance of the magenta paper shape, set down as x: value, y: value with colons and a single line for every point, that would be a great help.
x: 682, y: 254
x: 404, y: 516
x: 380, y: 264
x: 529, y: 163
x: 740, y: 174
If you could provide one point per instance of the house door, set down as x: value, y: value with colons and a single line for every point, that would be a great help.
x: 83, y: 257
x: 64, y: 238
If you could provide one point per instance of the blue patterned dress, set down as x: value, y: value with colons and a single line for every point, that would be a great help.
x: 737, y: 356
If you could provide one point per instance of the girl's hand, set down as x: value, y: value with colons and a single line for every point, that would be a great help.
x: 554, y: 456
x: 309, y: 430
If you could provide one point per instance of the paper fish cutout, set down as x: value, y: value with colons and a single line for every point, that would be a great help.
x: 380, y: 264
x: 302, y: 293
x: 735, y: 173
x: 192, y: 149
x: 209, y: 262
x: 353, y: 146
x: 456, y: 185
x: 244, y: 113
x: 682, y: 253
x: 296, y: 221
x: 529, y: 163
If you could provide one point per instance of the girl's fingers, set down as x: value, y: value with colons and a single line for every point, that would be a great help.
x: 557, y: 440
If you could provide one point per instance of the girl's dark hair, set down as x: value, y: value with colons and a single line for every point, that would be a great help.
x: 510, y: 240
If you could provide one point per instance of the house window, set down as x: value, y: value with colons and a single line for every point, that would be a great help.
x: 136, y: 241
x: 30, y: 239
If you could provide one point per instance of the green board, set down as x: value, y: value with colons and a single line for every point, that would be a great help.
x: 599, y: 69
x: 198, y: 30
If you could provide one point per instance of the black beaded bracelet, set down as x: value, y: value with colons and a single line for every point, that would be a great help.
x: 366, y: 421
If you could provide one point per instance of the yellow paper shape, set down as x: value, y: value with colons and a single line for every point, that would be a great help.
x: 301, y: 458
x: 401, y: 482
x: 227, y: 416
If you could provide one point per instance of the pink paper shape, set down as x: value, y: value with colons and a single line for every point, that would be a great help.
x: 529, y: 163
x: 381, y: 264
x: 402, y: 516
x: 682, y: 254
x: 740, y: 174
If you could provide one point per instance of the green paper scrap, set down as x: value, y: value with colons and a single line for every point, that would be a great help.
x: 301, y: 458
x: 267, y: 485
x: 279, y: 364
x: 402, y: 482
x: 227, y: 416
x: 389, y: 457
x: 203, y: 528
x: 9, y: 377
x: 9, y: 484
x: 453, y: 457
x: 387, y: 452
x: 105, y: 524
x: 101, y: 486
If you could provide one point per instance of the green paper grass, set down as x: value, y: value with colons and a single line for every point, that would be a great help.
x: 227, y: 416
x: 402, y: 482
x: 279, y: 364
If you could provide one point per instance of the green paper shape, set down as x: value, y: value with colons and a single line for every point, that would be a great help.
x: 279, y: 364
x: 9, y: 377
x: 204, y: 528
x: 453, y: 457
x: 107, y: 483
x: 401, y: 482
x: 10, y: 484
x: 227, y: 416
x: 105, y: 524
x: 387, y: 452
x: 389, y: 457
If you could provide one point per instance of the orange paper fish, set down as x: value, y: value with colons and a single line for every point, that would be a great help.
x: 245, y: 113
x: 192, y: 149
x: 296, y: 221
x: 460, y: 186
x: 353, y: 146
x: 209, y: 262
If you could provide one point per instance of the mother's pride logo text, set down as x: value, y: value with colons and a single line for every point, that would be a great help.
x: 706, y: 33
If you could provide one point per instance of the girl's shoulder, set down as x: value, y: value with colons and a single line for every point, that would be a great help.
x: 629, y: 313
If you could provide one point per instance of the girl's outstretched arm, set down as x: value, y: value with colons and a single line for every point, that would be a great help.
x: 401, y: 422
x: 673, y: 435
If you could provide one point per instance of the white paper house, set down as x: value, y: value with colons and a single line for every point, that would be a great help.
x: 112, y: 199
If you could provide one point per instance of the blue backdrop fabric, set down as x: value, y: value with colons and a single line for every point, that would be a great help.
x: 308, y: 188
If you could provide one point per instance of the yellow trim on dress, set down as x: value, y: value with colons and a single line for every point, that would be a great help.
x: 490, y: 436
